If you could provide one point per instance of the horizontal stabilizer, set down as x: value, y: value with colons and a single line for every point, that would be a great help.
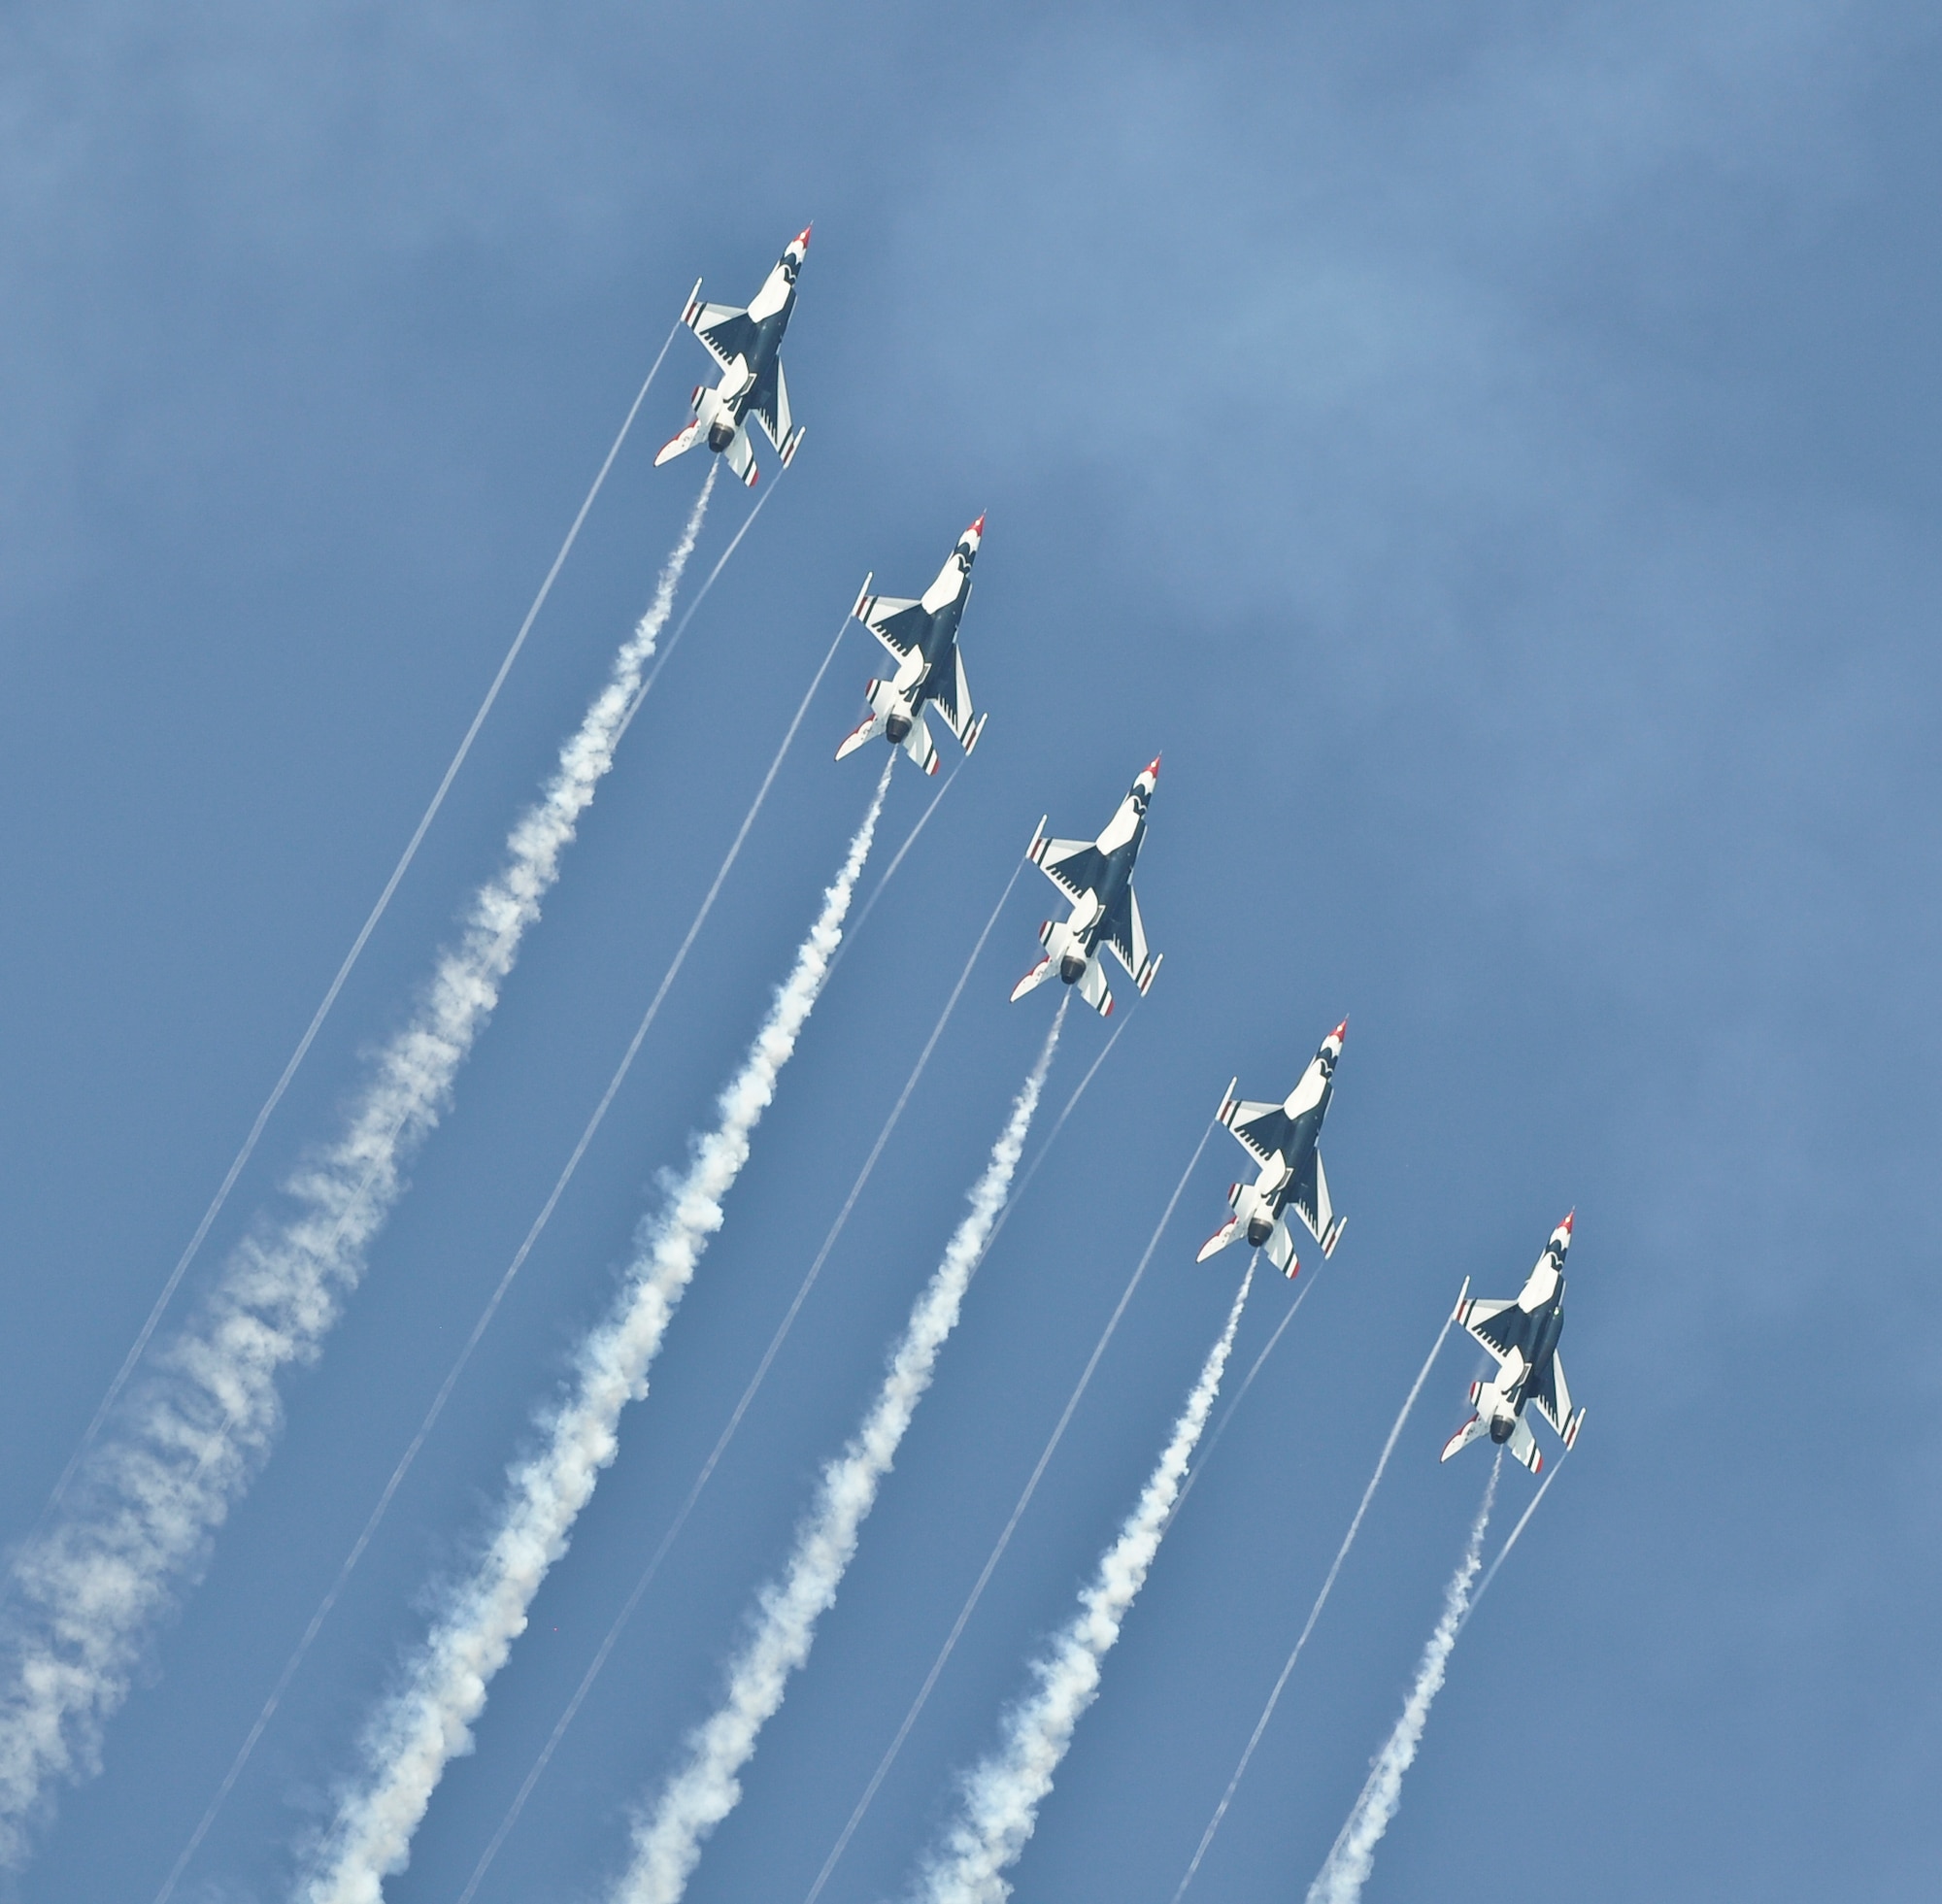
x: 1032, y: 979
x: 679, y: 444
x: 1464, y: 1437
x: 1220, y: 1240
x: 1093, y: 987
x: 1523, y: 1445
x: 1278, y: 1250
x: 867, y: 730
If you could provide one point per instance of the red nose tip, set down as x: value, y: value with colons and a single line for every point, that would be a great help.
x: 802, y: 237
x: 977, y: 528
x: 1340, y: 1032
x: 1569, y: 1220
x: 1152, y: 768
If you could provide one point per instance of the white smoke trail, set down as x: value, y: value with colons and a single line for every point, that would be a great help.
x: 1003, y: 1795
x: 428, y: 1721
x: 667, y: 1842
x: 388, y: 1492
x: 1004, y: 1540
x: 699, y: 1485
x: 1313, y: 1614
x: 139, y: 1346
x: 1354, y: 1852
x: 151, y: 1496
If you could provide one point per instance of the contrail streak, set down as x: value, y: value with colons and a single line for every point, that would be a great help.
x: 151, y: 1496
x: 1002, y: 1796
x: 1004, y: 1539
x: 1504, y: 1552
x: 668, y: 1841
x: 597, y: 1665
x: 1313, y: 1614
x: 492, y: 1309
x: 1346, y: 1867
x: 427, y: 1720
x: 139, y: 1347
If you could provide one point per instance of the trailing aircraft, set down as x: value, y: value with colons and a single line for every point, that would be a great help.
x: 747, y: 346
x: 1283, y: 1139
x: 1522, y: 1334
x: 921, y: 637
x: 1097, y: 876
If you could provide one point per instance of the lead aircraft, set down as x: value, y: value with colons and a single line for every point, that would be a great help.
x: 1522, y: 1334
x: 1097, y: 876
x: 746, y: 342
x: 1283, y: 1139
x: 921, y: 637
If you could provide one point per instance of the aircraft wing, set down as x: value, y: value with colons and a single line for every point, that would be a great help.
x: 1262, y: 1129
x: 771, y: 406
x: 1310, y: 1196
x: 1074, y: 866
x: 896, y: 622
x: 1481, y: 1318
x: 950, y: 692
x: 1127, y: 933
x: 1552, y: 1399
x: 726, y: 330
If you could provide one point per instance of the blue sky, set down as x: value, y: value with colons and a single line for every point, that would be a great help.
x: 1493, y: 458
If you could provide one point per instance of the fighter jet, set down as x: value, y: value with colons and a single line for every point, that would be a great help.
x: 1097, y: 876
x: 747, y: 345
x: 1522, y: 1334
x: 1282, y: 1138
x: 922, y: 638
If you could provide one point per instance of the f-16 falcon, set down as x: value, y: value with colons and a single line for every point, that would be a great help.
x: 747, y: 345
x: 1522, y: 1334
x: 1097, y: 876
x: 921, y: 637
x: 1282, y: 1138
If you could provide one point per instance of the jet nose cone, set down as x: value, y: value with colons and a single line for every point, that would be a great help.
x: 801, y: 242
x: 1340, y: 1032
x: 1571, y: 1217
x: 1152, y: 769
x: 976, y: 532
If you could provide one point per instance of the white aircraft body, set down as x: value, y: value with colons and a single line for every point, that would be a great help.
x: 1283, y: 1139
x: 1097, y: 876
x: 921, y: 637
x: 745, y: 344
x: 1522, y: 1335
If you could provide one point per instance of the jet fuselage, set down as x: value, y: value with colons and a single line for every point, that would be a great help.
x: 1091, y: 915
x: 769, y: 314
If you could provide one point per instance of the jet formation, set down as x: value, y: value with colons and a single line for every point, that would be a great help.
x: 1096, y: 875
